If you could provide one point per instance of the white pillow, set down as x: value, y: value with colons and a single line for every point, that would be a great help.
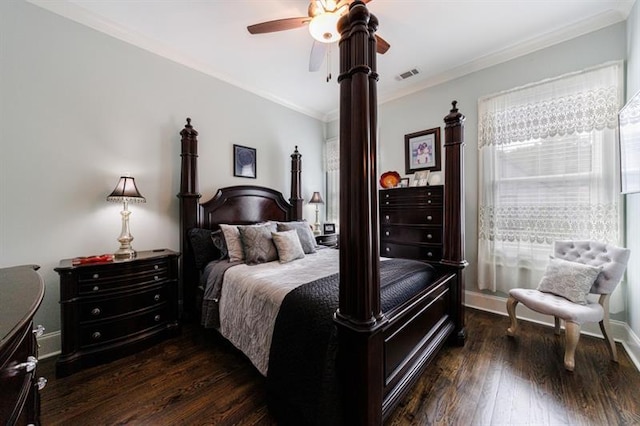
x: 571, y: 280
x: 233, y: 241
x: 288, y: 245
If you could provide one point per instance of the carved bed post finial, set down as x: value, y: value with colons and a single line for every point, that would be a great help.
x: 296, y: 185
x: 453, y: 254
x: 189, y: 212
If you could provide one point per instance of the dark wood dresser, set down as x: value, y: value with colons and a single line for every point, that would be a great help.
x: 113, y: 309
x: 411, y: 222
x: 21, y: 292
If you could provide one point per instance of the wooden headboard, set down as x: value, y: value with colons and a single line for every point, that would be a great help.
x: 240, y: 204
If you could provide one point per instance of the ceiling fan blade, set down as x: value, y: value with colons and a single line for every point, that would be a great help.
x: 381, y: 46
x: 278, y: 25
x: 318, y: 51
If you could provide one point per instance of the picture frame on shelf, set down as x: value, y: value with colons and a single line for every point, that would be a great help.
x: 422, y: 150
x: 329, y: 228
x: 404, y: 183
x: 422, y: 177
x: 244, y: 162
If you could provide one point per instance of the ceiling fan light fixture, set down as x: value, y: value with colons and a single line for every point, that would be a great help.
x: 324, y: 27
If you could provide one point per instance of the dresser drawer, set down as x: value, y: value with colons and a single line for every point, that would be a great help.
x: 407, y: 251
x: 417, y: 196
x: 16, y: 381
x: 103, y: 332
x: 424, y: 216
x: 411, y: 234
x: 112, y: 279
x: 108, y: 307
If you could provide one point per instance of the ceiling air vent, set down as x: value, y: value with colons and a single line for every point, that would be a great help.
x: 407, y: 74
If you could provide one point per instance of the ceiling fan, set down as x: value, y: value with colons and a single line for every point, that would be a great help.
x: 322, y: 19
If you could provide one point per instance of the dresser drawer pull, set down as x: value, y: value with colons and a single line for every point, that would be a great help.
x: 429, y: 217
x: 155, y: 277
x: 156, y: 297
x: 386, y: 217
x: 96, y: 335
x: 429, y: 236
x: 28, y: 366
x: 387, y: 249
x: 428, y: 193
x: 429, y: 254
x: 157, y: 318
x: 387, y: 233
x: 39, y: 330
x: 96, y: 276
x: 428, y: 201
x: 42, y: 382
x: 386, y: 202
x: 95, y: 312
x: 96, y: 288
x: 156, y: 267
x: 386, y: 195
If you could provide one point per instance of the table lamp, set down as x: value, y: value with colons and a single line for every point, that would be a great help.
x: 125, y: 192
x: 317, y: 200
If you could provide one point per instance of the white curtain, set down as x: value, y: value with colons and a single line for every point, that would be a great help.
x: 548, y: 170
x: 332, y: 170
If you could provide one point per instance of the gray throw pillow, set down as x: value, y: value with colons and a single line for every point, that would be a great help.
x: 288, y: 245
x: 257, y: 244
x: 307, y: 239
x: 233, y: 241
x: 571, y: 280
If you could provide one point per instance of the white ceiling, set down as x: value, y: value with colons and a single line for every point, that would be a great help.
x: 443, y: 39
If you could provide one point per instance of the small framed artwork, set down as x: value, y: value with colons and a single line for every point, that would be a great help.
x: 422, y: 177
x: 329, y: 228
x: 422, y: 150
x: 404, y: 182
x: 244, y: 161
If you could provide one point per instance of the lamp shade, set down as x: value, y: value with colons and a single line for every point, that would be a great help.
x: 126, y: 190
x: 324, y: 27
x: 316, y: 198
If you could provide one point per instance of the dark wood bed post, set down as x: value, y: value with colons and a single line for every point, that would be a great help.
x: 359, y: 314
x: 189, y: 215
x: 296, y: 188
x: 453, y: 255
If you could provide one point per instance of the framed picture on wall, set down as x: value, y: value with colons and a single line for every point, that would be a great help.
x: 422, y: 150
x: 244, y: 161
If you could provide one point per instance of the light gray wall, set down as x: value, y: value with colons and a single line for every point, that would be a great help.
x: 79, y: 108
x: 633, y: 200
x: 426, y: 109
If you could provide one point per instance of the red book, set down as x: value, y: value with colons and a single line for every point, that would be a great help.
x: 92, y: 259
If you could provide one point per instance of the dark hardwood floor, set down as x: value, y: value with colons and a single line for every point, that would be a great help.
x: 198, y: 378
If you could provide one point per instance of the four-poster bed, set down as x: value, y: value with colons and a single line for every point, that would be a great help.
x: 380, y: 347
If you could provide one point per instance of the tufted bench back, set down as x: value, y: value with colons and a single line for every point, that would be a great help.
x: 612, y: 259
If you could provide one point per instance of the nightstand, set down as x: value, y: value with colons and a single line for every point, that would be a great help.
x: 116, y: 308
x: 329, y: 240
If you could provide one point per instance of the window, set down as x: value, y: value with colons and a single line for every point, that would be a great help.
x: 332, y: 170
x: 547, y: 171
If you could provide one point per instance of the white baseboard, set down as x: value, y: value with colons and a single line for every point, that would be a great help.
x: 621, y: 331
x: 50, y: 344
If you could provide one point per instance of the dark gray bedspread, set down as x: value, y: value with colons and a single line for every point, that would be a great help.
x: 302, y: 381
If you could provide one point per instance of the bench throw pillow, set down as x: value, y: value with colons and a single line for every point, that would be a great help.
x: 571, y: 280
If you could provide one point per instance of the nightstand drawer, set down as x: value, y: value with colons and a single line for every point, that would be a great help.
x: 421, y: 252
x: 104, y: 308
x: 106, y: 331
x: 112, y: 280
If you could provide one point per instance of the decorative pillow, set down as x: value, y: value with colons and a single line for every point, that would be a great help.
x: 288, y: 245
x: 257, y: 243
x: 218, y: 241
x: 233, y: 241
x: 571, y: 280
x: 307, y: 239
x: 203, y: 248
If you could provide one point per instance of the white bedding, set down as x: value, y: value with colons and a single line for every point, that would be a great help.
x: 251, y: 296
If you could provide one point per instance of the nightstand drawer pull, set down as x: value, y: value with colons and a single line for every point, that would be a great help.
x: 429, y: 254
x: 156, y: 267
x: 387, y: 249
x: 429, y: 217
x: 38, y: 331
x: 429, y: 236
x: 428, y: 201
x: 96, y: 276
x: 95, y: 312
x: 157, y: 318
x: 155, y: 277
x: 387, y: 217
x: 96, y: 288
x: 96, y: 335
x: 387, y: 233
x: 156, y: 297
x: 28, y: 366
x: 42, y: 382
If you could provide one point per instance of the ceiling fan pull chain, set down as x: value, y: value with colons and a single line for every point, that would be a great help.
x: 328, y: 63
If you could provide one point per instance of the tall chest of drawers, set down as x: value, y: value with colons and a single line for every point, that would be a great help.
x: 411, y: 222
x: 113, y: 309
